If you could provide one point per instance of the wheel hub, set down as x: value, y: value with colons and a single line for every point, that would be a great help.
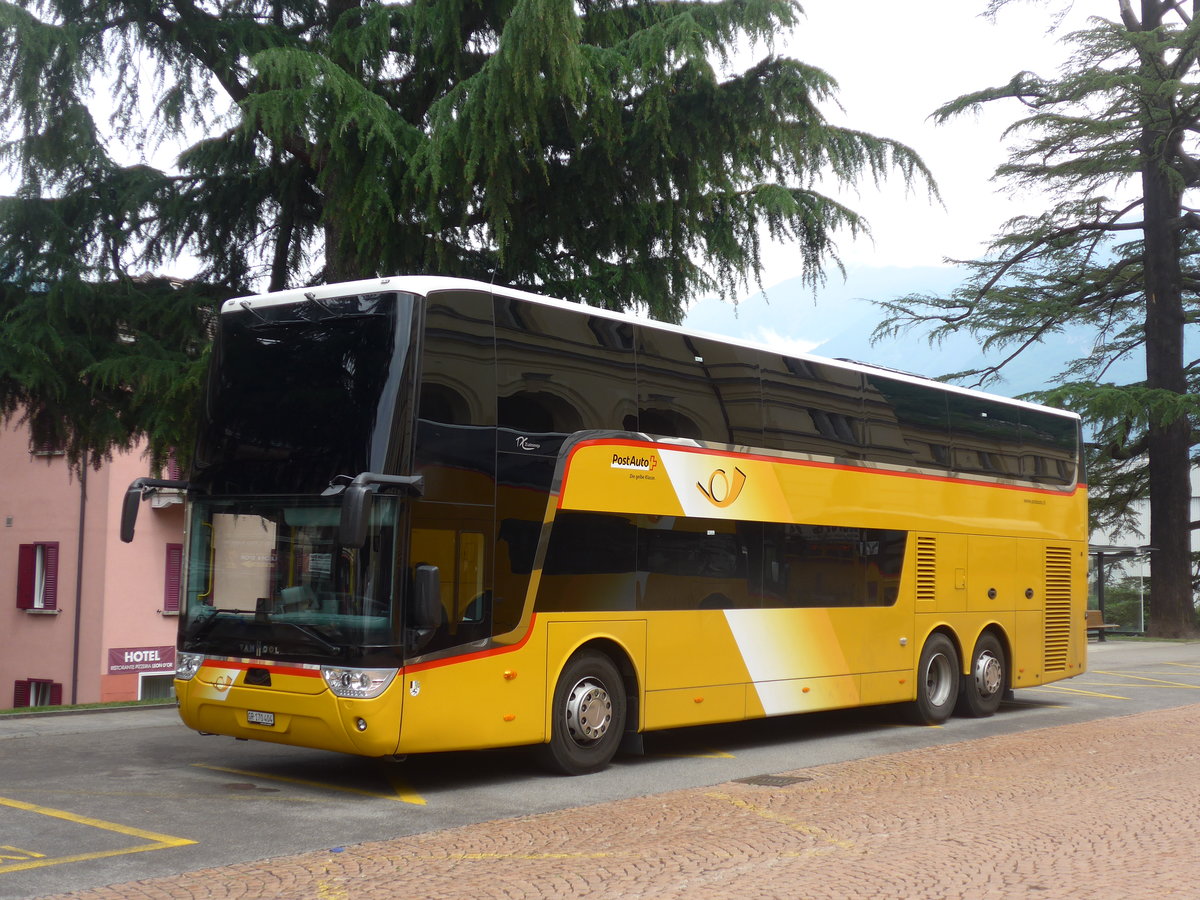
x: 939, y: 679
x: 589, y: 711
x: 989, y: 674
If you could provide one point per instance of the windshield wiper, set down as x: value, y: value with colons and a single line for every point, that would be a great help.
x: 310, y: 632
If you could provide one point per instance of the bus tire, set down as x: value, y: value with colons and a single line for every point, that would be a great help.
x: 983, y: 688
x: 937, y: 682
x: 588, y: 716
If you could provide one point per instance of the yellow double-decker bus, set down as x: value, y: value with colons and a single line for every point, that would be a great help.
x: 431, y: 514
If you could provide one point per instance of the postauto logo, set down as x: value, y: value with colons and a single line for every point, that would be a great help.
x: 723, y: 487
x: 640, y: 462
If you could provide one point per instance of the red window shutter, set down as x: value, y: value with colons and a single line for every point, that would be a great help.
x: 171, y: 590
x: 173, y: 472
x: 26, y: 569
x: 20, y: 694
x: 50, y: 587
x: 56, y: 694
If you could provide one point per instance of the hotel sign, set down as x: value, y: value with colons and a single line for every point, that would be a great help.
x: 123, y: 660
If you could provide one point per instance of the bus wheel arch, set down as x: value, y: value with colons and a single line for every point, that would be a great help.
x: 938, y: 680
x: 593, y: 704
x: 987, y: 677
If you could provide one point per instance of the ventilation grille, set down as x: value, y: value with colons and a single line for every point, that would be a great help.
x: 926, y: 570
x: 1058, y: 608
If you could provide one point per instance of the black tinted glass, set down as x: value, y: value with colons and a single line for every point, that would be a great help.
x: 302, y: 392
x: 812, y: 407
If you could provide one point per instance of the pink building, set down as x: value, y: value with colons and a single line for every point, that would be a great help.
x: 84, y: 618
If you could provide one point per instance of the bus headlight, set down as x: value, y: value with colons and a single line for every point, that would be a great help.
x: 187, y: 665
x: 360, y: 684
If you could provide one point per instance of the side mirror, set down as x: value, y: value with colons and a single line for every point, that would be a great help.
x: 356, y: 513
x: 129, y: 511
x: 133, y: 497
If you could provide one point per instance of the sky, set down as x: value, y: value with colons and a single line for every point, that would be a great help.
x: 896, y: 62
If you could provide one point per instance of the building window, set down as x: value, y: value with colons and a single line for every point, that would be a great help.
x: 173, y: 581
x: 37, y: 576
x: 52, y: 447
x: 37, y: 692
x: 156, y: 687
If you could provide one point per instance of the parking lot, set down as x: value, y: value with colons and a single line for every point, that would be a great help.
x: 106, y: 798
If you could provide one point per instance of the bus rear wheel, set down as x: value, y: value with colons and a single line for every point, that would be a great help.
x: 588, y: 716
x: 983, y: 689
x: 937, y: 682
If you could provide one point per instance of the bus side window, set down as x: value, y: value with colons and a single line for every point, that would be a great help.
x: 689, y: 387
x: 812, y: 407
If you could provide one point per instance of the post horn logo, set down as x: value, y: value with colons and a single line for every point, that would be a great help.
x: 723, y: 488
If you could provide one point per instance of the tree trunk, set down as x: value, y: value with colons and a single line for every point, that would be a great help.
x: 1172, y: 610
x: 340, y: 264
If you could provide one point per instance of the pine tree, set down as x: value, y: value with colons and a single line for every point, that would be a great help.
x: 1112, y: 142
x: 602, y: 151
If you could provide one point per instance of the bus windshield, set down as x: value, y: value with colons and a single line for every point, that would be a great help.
x: 267, y: 577
x: 301, y: 393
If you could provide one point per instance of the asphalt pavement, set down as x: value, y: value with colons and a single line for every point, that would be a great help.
x: 1103, y: 808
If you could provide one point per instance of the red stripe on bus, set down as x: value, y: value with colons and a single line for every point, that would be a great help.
x: 257, y: 664
x: 482, y: 654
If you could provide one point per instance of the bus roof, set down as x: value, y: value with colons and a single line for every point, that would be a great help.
x: 429, y: 284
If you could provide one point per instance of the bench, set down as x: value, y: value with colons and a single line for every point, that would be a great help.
x: 1097, y: 625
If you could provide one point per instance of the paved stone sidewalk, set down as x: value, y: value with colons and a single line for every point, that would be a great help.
x: 1106, y: 809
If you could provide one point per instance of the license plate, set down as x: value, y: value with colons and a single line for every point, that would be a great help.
x: 255, y: 717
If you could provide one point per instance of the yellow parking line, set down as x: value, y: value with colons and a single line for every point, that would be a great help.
x: 157, y: 841
x: 404, y: 791
x: 818, y: 833
x: 712, y: 754
x: 1159, y: 681
x: 1126, y: 684
x: 1060, y: 689
x: 404, y: 794
x: 20, y: 854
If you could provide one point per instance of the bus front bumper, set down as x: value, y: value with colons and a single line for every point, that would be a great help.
x: 320, y: 721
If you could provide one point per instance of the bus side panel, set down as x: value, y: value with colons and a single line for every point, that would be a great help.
x: 778, y: 644
x: 954, y: 577
x: 689, y: 649
x: 808, y: 659
x: 1028, y: 649
x: 495, y: 699
x: 714, y: 666
x: 888, y: 687
x: 1053, y: 643
x: 993, y: 578
x: 799, y: 695
x: 695, y: 706
x: 1028, y: 638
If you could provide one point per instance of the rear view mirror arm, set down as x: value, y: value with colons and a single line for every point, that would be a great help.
x: 356, y: 502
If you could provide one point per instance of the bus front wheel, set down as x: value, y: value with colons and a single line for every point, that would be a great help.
x: 983, y: 689
x: 588, y: 716
x: 937, y: 682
